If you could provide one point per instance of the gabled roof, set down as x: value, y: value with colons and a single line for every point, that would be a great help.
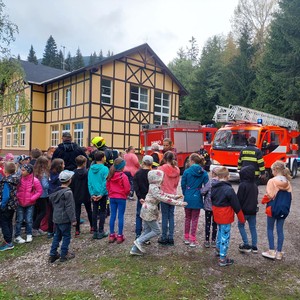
x: 145, y: 46
x: 37, y: 74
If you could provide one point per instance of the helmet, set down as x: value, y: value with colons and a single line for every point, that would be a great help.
x: 98, y: 141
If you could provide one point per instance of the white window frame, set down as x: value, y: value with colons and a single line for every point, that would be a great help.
x: 8, y: 137
x: 142, y: 98
x: 15, y: 136
x: 161, y: 108
x: 68, y: 95
x: 55, y: 100
x: 22, y: 135
x: 106, y: 91
x: 65, y: 128
x: 78, y: 133
x: 54, y: 135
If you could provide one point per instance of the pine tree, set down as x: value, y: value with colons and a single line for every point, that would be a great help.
x: 100, y: 56
x: 31, y: 56
x: 50, y: 56
x: 69, y: 63
x: 78, y: 60
x: 93, y: 58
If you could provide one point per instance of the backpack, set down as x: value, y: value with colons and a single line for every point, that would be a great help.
x: 280, y: 205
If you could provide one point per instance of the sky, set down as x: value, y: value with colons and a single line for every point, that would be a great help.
x: 117, y: 25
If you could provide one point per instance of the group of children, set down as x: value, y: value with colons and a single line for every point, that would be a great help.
x: 59, y: 193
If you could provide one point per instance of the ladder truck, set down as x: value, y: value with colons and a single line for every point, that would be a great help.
x: 275, y: 137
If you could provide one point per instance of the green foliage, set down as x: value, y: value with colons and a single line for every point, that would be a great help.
x: 31, y: 56
x: 50, y: 56
x: 78, y: 60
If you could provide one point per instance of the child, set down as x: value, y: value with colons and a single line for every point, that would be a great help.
x: 209, y: 218
x: 192, y: 181
x: 118, y: 188
x: 98, y: 192
x: 79, y: 187
x: 141, y: 186
x: 63, y: 217
x: 168, y: 186
x: 57, y: 166
x: 41, y: 171
x: 149, y: 211
x: 28, y: 192
x: 8, y: 204
x: 280, y: 183
x: 247, y: 195
x: 224, y: 204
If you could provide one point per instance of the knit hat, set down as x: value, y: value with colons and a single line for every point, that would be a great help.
x: 148, y: 159
x: 9, y: 156
x: 28, y: 168
x: 22, y: 157
x: 65, y: 175
x: 120, y: 166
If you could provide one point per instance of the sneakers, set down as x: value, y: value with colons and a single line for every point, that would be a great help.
x: 19, y: 240
x: 213, y: 244
x: 194, y: 244
x: 135, y: 251
x: 53, y: 258
x: 254, y: 249
x: 171, y: 242
x: 7, y: 246
x: 50, y: 235
x: 77, y: 234
x: 187, y: 242
x: 28, y: 238
x: 162, y: 241
x: 279, y: 255
x: 100, y: 235
x: 245, y: 248
x: 69, y: 256
x: 139, y: 246
x: 206, y: 244
x: 35, y: 232
x: 120, y: 238
x: 225, y: 262
x: 269, y: 254
x: 147, y: 242
x: 112, y: 238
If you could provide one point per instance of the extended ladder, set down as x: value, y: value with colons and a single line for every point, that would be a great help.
x: 239, y: 113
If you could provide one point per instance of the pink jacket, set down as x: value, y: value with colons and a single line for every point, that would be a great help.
x: 118, y: 186
x: 132, y: 163
x: 29, y: 190
x: 171, y: 178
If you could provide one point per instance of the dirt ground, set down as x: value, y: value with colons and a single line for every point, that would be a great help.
x: 32, y: 272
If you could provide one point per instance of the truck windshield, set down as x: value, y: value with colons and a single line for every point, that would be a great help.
x: 232, y: 139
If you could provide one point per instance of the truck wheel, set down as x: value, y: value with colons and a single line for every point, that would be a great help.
x: 294, y: 169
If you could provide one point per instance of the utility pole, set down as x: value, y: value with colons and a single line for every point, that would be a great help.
x: 63, y: 60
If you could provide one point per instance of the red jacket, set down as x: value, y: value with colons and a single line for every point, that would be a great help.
x: 118, y: 186
x: 171, y: 179
x: 29, y: 190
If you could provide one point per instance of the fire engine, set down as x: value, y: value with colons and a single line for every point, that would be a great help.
x: 187, y: 137
x: 275, y: 136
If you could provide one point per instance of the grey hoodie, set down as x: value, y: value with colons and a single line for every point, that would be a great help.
x: 63, y: 206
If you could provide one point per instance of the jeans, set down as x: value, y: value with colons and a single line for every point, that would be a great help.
x: 130, y: 178
x: 151, y: 229
x: 138, y: 219
x: 99, y: 209
x: 27, y: 214
x: 167, y: 220
x: 40, y: 210
x: 251, y: 219
x: 209, y: 220
x: 270, y: 232
x: 191, y: 223
x: 62, y: 232
x: 88, y: 208
x: 117, y: 205
x: 50, y: 218
x: 223, y: 239
x: 6, y: 217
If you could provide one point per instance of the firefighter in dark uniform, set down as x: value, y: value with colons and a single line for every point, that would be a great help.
x: 206, y: 156
x: 251, y: 155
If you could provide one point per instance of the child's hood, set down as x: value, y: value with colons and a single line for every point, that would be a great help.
x: 282, y: 183
x: 247, y: 173
x: 117, y: 177
x: 170, y: 170
x: 81, y: 172
x: 196, y: 170
x: 155, y: 176
x: 56, y: 196
x: 96, y: 168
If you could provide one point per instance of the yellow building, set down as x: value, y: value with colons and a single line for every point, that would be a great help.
x: 111, y: 98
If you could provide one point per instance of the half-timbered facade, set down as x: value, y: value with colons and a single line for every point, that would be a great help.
x: 112, y: 98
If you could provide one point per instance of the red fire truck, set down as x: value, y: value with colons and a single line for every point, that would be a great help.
x: 187, y: 137
x: 275, y: 136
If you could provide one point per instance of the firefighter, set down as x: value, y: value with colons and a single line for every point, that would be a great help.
x: 168, y: 146
x: 156, y: 155
x: 251, y: 155
x: 206, y: 156
x: 99, y: 144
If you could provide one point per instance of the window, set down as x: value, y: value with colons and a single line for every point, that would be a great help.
x: 68, y: 97
x: 65, y: 128
x: 55, y: 100
x: 54, y: 135
x: 22, y: 135
x: 138, y: 98
x: 15, y: 136
x: 8, y: 136
x: 17, y: 103
x: 78, y: 134
x: 161, y: 108
x: 106, y: 91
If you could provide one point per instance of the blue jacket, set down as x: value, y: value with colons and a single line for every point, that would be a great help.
x: 192, y: 181
x: 97, y: 179
x: 45, y: 185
